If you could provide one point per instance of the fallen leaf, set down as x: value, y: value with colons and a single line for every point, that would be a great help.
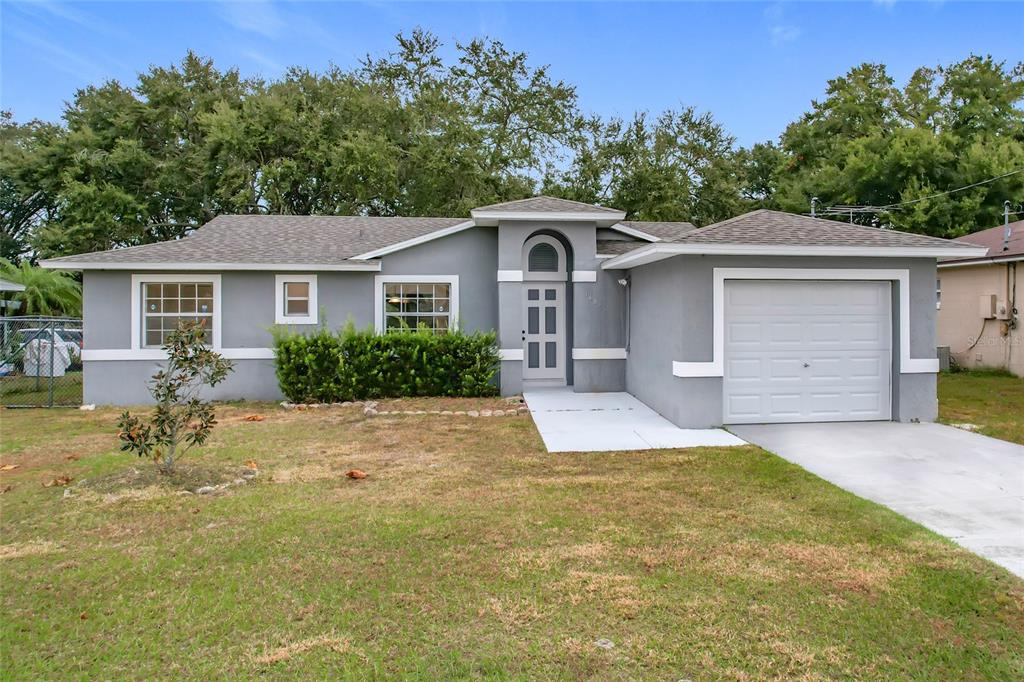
x: 61, y: 480
x: 355, y: 473
x: 5, y: 489
x: 9, y: 467
x: 254, y: 418
x: 83, y: 615
x: 251, y: 463
x: 72, y: 458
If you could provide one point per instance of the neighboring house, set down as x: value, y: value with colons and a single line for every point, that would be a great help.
x: 765, y: 317
x: 980, y: 298
x: 8, y: 305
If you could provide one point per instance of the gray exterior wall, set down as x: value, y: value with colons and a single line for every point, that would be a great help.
x: 596, y: 310
x: 247, y: 313
x: 124, y: 382
x: 671, y: 318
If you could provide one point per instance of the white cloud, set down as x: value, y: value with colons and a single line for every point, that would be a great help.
x: 780, y: 30
x: 260, y: 17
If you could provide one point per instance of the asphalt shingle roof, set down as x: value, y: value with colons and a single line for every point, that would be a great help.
x: 775, y: 228
x: 992, y: 239
x: 324, y: 240
x: 666, y: 231
x: 544, y: 204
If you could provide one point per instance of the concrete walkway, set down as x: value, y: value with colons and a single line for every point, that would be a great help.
x: 963, y: 485
x: 591, y: 422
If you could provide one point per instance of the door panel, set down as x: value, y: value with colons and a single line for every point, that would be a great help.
x: 800, y: 351
x: 544, y: 332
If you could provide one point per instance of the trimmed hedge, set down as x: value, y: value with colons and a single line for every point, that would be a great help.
x: 330, y: 367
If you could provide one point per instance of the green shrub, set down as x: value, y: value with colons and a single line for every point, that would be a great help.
x: 328, y: 367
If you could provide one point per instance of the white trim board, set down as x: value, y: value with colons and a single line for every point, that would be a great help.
x: 598, y: 353
x: 138, y: 280
x: 110, y: 354
x: 279, y: 314
x: 633, y: 232
x: 510, y: 275
x: 601, y: 218
x: 662, y: 250
x: 378, y: 295
x: 415, y: 241
x: 208, y: 267
x: 715, y: 367
x: 511, y: 354
x: 584, y: 275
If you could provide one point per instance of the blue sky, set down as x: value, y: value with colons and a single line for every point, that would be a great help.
x: 755, y: 66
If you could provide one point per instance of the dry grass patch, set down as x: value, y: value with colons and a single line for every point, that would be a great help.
x: 329, y: 641
x: 30, y: 548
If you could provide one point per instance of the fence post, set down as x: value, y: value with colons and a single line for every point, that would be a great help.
x: 53, y: 343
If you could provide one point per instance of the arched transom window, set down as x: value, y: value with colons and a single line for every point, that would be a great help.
x: 543, y: 258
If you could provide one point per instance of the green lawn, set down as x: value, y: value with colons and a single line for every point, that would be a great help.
x: 994, y: 401
x: 469, y: 552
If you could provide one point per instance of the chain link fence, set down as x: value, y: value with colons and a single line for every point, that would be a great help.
x: 40, y: 361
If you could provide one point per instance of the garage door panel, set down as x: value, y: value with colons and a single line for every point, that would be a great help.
x: 807, y: 351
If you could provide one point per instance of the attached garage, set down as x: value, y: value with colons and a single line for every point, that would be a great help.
x: 807, y: 351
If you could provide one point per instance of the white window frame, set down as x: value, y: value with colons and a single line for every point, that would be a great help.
x: 715, y: 367
x: 380, y: 281
x: 138, y: 281
x: 279, y: 300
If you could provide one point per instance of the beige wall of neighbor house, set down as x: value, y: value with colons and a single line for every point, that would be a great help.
x: 978, y: 336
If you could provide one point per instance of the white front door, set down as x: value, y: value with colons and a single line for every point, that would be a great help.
x: 807, y: 351
x: 544, y: 330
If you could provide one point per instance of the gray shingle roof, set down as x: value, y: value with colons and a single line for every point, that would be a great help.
x: 544, y: 204
x: 258, y: 239
x: 775, y: 228
x: 667, y: 231
x: 617, y: 247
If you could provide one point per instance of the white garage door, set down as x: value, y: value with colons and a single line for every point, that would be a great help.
x: 807, y: 351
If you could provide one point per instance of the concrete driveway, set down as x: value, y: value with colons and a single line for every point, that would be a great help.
x: 963, y: 485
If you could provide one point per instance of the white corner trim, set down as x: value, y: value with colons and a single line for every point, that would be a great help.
x: 715, y: 367
x: 511, y: 354
x: 279, y: 315
x: 378, y: 295
x: 584, y: 275
x: 415, y: 241
x: 598, y: 353
x: 101, y: 355
x: 661, y: 250
x: 57, y: 264
x: 138, y: 280
x: 633, y: 232
x: 510, y: 275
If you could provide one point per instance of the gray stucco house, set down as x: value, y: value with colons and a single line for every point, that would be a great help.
x: 766, y: 317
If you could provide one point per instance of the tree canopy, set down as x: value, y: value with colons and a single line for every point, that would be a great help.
x: 411, y: 133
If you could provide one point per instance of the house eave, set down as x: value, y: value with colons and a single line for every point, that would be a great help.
x: 633, y: 232
x: 995, y: 260
x: 601, y: 218
x: 662, y: 250
x: 57, y: 264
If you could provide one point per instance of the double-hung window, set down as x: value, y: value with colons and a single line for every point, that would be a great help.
x: 295, y: 301
x: 168, y: 302
x: 408, y: 303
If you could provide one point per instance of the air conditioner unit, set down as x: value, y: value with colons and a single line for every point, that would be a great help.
x: 987, y: 306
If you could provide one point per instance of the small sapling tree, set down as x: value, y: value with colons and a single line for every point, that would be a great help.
x: 181, y: 419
